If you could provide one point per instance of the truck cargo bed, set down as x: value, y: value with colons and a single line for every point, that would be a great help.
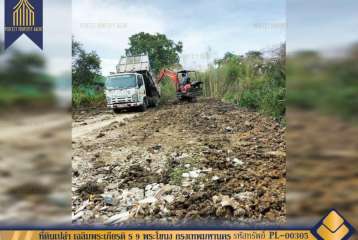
x: 140, y: 64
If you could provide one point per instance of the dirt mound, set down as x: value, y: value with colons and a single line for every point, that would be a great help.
x: 204, y: 160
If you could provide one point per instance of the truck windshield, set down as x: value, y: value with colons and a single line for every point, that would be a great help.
x: 121, y: 82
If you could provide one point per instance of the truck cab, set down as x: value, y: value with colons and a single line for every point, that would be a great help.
x: 125, y: 90
x: 133, y: 85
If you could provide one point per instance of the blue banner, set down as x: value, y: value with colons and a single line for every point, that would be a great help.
x: 24, y: 17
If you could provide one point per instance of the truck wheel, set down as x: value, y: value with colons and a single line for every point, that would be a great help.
x: 116, y: 110
x: 154, y: 102
x: 144, y: 106
x: 192, y: 99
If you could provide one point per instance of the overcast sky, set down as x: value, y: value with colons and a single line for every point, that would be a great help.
x: 213, y: 27
x: 325, y: 25
x: 223, y: 25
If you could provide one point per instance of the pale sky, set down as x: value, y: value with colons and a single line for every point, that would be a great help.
x: 219, y: 25
x: 324, y: 25
x: 215, y: 26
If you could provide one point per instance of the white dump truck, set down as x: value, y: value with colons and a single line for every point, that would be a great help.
x: 132, y: 86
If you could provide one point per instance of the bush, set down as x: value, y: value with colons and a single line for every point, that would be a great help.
x: 167, y: 91
x: 88, y: 96
x: 248, y: 82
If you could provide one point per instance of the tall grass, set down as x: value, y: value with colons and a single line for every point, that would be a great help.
x: 167, y: 90
x: 88, y: 96
x: 248, y: 82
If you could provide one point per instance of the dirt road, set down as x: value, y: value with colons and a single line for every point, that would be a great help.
x: 85, y: 128
x: 205, y: 160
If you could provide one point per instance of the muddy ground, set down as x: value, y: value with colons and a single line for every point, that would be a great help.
x: 180, y: 162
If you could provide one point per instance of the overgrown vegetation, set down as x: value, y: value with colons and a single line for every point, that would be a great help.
x: 87, y: 83
x: 324, y: 84
x: 249, y: 81
x: 167, y: 91
x: 89, y: 95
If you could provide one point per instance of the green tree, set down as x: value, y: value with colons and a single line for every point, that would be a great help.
x: 86, y: 67
x: 229, y: 57
x: 254, y: 55
x: 162, y: 51
x: 76, y: 47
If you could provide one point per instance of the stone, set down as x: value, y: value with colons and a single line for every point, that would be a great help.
x: 169, y: 198
x: 239, y: 212
x: 194, y: 174
x: 227, y: 201
x: 157, y: 147
x: 216, y: 199
x: 244, y: 196
x: 229, y: 129
x: 215, y: 178
x: 108, y: 199
x: 148, y: 200
x: 248, y: 124
x: 83, y: 206
x: 121, y: 217
x: 185, y: 175
x: 237, y: 162
x: 101, y: 134
x: 77, y: 216
x: 276, y: 154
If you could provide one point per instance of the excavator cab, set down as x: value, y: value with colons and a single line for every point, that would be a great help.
x: 189, y: 87
x: 185, y: 76
x: 186, y: 82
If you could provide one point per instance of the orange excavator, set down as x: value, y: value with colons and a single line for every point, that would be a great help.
x: 187, y: 89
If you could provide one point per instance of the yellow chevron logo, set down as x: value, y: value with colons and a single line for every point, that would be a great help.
x: 23, y: 14
x: 333, y: 227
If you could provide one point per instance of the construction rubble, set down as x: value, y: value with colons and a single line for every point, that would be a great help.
x: 179, y: 163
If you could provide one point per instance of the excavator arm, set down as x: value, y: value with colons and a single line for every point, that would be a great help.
x: 171, y: 74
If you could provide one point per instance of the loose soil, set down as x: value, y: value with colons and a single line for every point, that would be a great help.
x: 180, y: 162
